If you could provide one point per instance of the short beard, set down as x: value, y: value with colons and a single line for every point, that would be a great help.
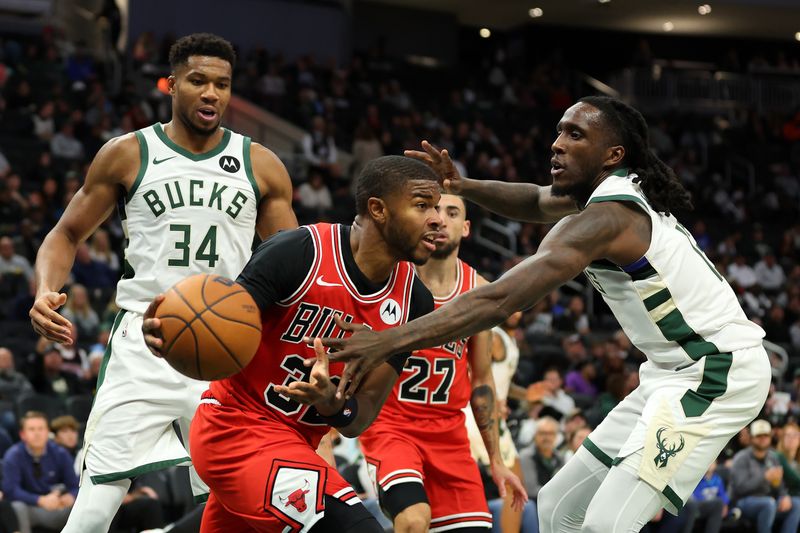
x: 445, y: 250
x: 194, y: 128
x: 579, y: 192
x: 396, y: 240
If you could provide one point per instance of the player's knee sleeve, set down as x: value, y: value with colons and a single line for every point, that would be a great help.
x: 96, y: 506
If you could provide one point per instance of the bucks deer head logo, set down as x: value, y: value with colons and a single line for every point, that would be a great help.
x: 664, y: 452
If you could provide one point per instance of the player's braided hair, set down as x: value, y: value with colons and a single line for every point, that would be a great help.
x: 201, y: 44
x: 659, y: 183
x: 388, y: 174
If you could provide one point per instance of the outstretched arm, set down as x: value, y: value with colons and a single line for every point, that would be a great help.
x: 527, y: 202
x: 568, y: 248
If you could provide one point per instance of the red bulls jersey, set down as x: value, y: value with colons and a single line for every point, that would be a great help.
x: 435, y: 382
x: 328, y: 288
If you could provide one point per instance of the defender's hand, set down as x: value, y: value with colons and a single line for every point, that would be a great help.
x: 441, y: 163
x: 363, y: 351
x: 47, y: 322
x: 151, y: 327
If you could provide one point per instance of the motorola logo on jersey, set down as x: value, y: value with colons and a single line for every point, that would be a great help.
x: 229, y: 163
x: 390, y: 312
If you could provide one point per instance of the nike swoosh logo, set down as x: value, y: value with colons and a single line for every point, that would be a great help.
x: 323, y: 283
x: 159, y: 161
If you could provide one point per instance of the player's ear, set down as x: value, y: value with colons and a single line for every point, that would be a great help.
x: 171, y: 84
x: 465, y: 229
x: 614, y: 156
x: 376, y: 208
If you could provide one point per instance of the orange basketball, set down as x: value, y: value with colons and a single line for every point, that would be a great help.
x: 211, y: 327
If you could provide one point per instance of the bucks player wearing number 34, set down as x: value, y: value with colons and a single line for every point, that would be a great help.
x: 191, y: 195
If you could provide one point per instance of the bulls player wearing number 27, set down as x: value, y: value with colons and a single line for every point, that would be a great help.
x: 254, y: 436
x: 417, y: 450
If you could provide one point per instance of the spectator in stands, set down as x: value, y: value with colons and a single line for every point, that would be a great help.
x: 709, y: 501
x: 13, y: 385
x: 65, y: 433
x: 574, y: 318
x: 366, y: 147
x: 540, y: 461
x: 97, y: 277
x: 50, y: 378
x: 44, y: 125
x: 757, y: 484
x: 319, y: 148
x: 581, y: 380
x: 15, y: 275
x: 741, y: 274
x: 769, y: 274
x: 65, y: 145
x: 549, y: 392
x: 38, y: 477
x: 788, y: 453
x: 314, y: 197
x: 11, y: 211
x: 100, y: 250
x: 573, y: 441
x: 79, y: 311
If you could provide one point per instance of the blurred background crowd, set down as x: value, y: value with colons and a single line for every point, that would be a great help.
x: 495, y: 111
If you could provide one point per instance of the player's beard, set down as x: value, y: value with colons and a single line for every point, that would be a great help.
x: 187, y: 121
x: 445, y: 250
x: 404, y: 245
x: 579, y: 192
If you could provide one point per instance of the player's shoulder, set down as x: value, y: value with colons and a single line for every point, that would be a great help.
x: 269, y: 171
x: 117, y: 158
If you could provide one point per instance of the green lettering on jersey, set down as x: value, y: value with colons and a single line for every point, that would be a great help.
x: 216, y: 194
x: 154, y: 203
x: 236, y: 204
x: 172, y: 202
x: 193, y: 199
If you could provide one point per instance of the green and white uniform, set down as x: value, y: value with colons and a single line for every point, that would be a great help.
x: 185, y: 214
x: 707, y: 374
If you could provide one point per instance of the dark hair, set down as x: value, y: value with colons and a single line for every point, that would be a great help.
x: 200, y: 44
x: 388, y: 174
x: 659, y: 183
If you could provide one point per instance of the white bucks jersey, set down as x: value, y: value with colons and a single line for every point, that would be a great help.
x: 503, y: 371
x: 672, y: 303
x: 186, y: 214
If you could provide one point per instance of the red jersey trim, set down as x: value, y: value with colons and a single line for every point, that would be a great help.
x: 456, y: 288
x: 312, y: 272
x: 336, y: 238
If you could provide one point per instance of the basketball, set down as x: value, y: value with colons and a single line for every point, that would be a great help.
x: 211, y: 327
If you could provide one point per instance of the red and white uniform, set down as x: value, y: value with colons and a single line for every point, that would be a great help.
x: 256, y: 448
x: 420, y: 434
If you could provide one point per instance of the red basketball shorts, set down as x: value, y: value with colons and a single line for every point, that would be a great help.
x: 435, y: 453
x: 263, y: 476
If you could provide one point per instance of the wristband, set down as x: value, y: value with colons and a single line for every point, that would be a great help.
x: 345, y: 416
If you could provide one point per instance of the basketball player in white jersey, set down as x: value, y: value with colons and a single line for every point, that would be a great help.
x: 505, y: 358
x: 191, y: 196
x: 707, y: 374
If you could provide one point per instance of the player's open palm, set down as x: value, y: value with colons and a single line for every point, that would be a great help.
x: 47, y: 322
x: 504, y: 478
x: 319, y: 390
x: 439, y: 161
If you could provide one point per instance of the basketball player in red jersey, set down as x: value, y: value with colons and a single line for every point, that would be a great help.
x: 417, y: 449
x: 254, y: 435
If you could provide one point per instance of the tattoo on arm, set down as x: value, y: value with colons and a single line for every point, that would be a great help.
x: 483, y: 406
